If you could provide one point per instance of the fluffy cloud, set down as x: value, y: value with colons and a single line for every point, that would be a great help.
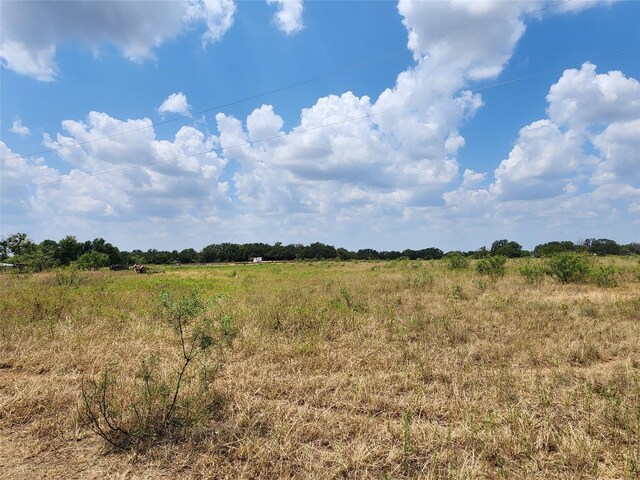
x: 31, y: 31
x: 619, y: 146
x: 288, y: 18
x: 470, y: 178
x: 339, y: 146
x: 547, y: 181
x: 543, y: 161
x: 18, y: 128
x: 395, y: 156
x: 115, y: 176
x: 448, y: 34
x: 218, y: 15
x: 582, y: 98
x: 549, y: 157
x: 16, y: 203
x: 175, y: 103
x: 353, y: 166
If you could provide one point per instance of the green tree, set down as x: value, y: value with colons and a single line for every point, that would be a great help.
x: 344, y: 254
x: 101, y: 245
x: 39, y: 259
x: 15, y: 245
x: 367, y: 254
x: 93, y: 260
x: 188, y: 255
x: 602, y: 246
x: 507, y: 249
x: 210, y: 254
x: 632, y: 248
x: 551, y: 248
x: 69, y: 250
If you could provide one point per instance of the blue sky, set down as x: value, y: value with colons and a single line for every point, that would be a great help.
x: 392, y: 126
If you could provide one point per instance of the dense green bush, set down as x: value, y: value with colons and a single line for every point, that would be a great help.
x: 456, y: 261
x: 493, y: 266
x: 604, y: 275
x: 568, y: 267
x: 533, y: 272
x: 92, y: 260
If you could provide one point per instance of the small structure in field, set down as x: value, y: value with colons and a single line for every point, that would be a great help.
x: 18, y: 266
x: 256, y: 259
x: 138, y: 268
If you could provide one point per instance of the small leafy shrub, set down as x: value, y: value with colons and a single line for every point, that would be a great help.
x: 456, y: 261
x: 604, y: 275
x: 162, y: 401
x: 482, y: 284
x: 349, y: 300
x: 568, y: 267
x: 67, y: 277
x: 458, y: 293
x: 492, y: 266
x: 533, y: 272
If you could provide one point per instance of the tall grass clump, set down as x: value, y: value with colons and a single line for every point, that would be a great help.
x: 167, y: 398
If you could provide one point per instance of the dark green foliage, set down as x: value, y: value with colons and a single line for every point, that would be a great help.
x: 602, y: 246
x: 102, y: 246
x: 69, y: 250
x: 632, y: 248
x: 367, y: 254
x: 188, y: 255
x: 92, y: 260
x: 507, y: 249
x: 344, y: 254
x: 552, y: 248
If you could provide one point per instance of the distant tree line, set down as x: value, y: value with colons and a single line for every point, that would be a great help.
x: 18, y: 248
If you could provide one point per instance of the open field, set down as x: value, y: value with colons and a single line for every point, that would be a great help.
x: 338, y: 370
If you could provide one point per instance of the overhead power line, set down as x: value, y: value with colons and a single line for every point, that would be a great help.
x: 306, y: 130
x: 357, y: 66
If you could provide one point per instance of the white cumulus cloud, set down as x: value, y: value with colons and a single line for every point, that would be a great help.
x: 175, y: 103
x: 354, y: 166
x: 32, y: 31
x: 619, y: 146
x: 218, y: 15
x: 541, y: 163
x: 582, y: 98
x: 18, y: 128
x: 119, y: 172
x: 288, y: 18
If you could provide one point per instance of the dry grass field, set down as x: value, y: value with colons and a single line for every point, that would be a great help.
x: 337, y: 370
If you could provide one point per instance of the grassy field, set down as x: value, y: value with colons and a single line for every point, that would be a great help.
x: 337, y: 370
